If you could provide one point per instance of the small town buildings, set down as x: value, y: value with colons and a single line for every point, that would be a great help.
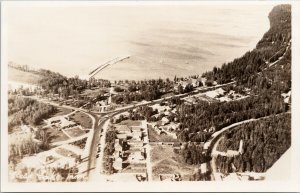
x: 177, y: 145
x: 118, y: 163
x: 136, y: 157
x: 203, y: 168
x: 66, y: 123
x: 123, y: 129
x: 118, y: 146
x: 165, y: 121
x: 61, y: 122
x: 195, y: 82
x: 122, y: 136
x: 137, y: 135
x: 135, y: 144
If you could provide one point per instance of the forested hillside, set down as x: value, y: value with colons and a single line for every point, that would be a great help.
x: 266, y: 70
x: 272, y: 52
x: 27, y: 111
x: 263, y: 144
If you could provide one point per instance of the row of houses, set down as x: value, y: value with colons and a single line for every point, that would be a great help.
x: 195, y: 82
x: 130, y: 151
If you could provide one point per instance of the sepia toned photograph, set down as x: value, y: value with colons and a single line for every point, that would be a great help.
x: 111, y: 92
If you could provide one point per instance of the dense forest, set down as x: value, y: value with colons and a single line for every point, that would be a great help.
x: 197, y: 120
x: 255, y: 70
x: 27, y: 111
x: 266, y: 72
x: 264, y: 142
x: 109, y: 149
x: 55, y: 83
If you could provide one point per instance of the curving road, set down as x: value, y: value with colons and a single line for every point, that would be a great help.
x: 212, y: 143
x: 100, y: 125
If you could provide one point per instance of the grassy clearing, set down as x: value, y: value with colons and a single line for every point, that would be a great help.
x: 155, y: 137
x: 84, y: 120
x: 96, y: 92
x: 62, y: 111
x: 165, y: 161
x: 131, y: 123
x: 130, y: 169
x: 75, y: 132
x: 65, y: 152
x: 21, y: 76
x: 56, y: 136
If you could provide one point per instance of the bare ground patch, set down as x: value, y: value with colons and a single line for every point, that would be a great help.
x: 166, y: 161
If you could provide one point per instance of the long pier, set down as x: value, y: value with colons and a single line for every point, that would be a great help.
x: 110, y: 62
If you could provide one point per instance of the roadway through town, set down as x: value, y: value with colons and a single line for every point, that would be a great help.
x: 100, y: 126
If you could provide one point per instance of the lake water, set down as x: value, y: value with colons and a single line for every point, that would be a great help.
x: 162, y: 41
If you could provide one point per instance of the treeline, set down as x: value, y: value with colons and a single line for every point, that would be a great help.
x: 199, y: 176
x: 27, y: 111
x: 264, y: 142
x: 109, y: 149
x: 133, y: 85
x: 55, y: 83
x: 144, y: 90
x: 193, y: 154
x: 199, y: 121
x: 148, y: 92
x: 22, y: 145
x: 24, y: 68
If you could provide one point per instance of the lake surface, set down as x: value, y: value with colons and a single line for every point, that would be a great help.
x: 163, y: 41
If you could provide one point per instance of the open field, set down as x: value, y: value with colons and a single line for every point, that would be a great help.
x: 65, y: 152
x: 166, y: 161
x: 132, y: 169
x: 155, y: 137
x: 130, y: 123
x: 21, y: 76
x: 200, y: 97
x: 62, y: 111
x: 95, y: 92
x: 75, y: 132
x: 84, y: 120
x: 56, y: 136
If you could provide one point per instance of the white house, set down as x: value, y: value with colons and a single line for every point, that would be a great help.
x: 165, y: 121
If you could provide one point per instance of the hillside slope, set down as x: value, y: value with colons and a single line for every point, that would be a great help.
x: 266, y: 70
x: 268, y: 66
x: 22, y: 76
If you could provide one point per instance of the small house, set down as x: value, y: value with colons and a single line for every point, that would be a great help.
x: 165, y: 121
x: 117, y: 165
x: 123, y: 129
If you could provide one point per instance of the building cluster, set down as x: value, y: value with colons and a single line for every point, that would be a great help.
x: 170, y: 177
x: 60, y: 122
x: 130, y: 149
x: 194, y: 82
x: 165, y: 126
x: 169, y: 129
